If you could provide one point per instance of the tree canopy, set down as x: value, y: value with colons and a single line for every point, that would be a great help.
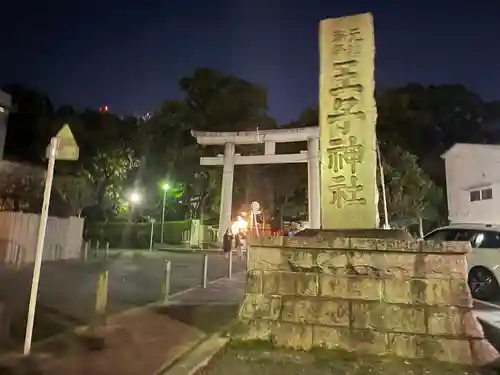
x: 416, y: 124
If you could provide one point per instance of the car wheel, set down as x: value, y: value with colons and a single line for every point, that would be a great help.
x: 483, y: 284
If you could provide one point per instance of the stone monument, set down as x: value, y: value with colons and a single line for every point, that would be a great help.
x: 347, y: 118
x: 351, y: 285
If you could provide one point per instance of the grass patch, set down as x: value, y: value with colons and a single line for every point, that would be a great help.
x: 260, y: 358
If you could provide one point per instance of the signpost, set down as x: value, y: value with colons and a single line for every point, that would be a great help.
x: 62, y: 147
x: 255, y: 212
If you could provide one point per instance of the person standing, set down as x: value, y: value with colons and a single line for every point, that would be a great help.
x: 227, y: 240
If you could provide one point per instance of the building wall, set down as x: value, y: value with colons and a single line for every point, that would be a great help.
x: 18, y: 237
x: 5, y: 105
x: 473, y: 168
x: 378, y: 296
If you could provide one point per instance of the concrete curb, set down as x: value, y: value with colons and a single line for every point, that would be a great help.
x: 200, y: 354
x: 198, y: 358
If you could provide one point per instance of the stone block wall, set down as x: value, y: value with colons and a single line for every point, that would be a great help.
x: 378, y: 296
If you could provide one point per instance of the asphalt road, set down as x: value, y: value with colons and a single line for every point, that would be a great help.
x: 67, y: 289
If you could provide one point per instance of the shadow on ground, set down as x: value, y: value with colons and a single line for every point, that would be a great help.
x: 207, y: 318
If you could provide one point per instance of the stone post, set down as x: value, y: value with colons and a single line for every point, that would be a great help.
x: 227, y: 190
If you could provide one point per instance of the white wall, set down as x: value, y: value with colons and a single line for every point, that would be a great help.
x: 473, y: 167
x: 19, y: 231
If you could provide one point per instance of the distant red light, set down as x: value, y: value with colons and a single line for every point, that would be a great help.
x: 103, y: 108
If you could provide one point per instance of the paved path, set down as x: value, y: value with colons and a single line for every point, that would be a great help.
x: 220, y: 291
x: 67, y: 290
x: 147, y: 340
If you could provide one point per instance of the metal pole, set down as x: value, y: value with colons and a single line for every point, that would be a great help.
x: 97, y: 249
x: 106, y: 251
x: 54, y: 142
x: 205, y: 271
x: 86, y: 251
x: 168, y: 273
x: 151, y: 238
x: 163, y: 214
x: 230, y: 265
x: 382, y: 183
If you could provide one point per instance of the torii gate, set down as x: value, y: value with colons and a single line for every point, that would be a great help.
x: 269, y: 138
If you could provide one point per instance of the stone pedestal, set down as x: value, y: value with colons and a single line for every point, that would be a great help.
x: 370, y: 295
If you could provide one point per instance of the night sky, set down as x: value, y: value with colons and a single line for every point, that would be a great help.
x: 130, y: 57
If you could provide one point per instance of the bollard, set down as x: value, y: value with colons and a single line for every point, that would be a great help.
x: 151, y: 238
x: 106, y: 251
x: 230, y: 265
x: 101, y: 297
x: 205, y: 271
x: 166, y: 281
x: 97, y: 249
x: 86, y: 250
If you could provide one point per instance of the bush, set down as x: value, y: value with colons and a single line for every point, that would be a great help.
x: 137, y: 235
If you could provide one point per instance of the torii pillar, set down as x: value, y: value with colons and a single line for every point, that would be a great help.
x: 227, y: 189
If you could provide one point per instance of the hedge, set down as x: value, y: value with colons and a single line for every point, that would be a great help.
x: 137, y: 235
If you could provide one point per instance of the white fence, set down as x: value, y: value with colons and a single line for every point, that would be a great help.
x: 19, y: 231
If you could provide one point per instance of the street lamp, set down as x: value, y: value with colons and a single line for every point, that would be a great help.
x: 135, y: 197
x: 165, y: 188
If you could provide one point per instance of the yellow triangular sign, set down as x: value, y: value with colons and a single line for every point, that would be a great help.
x: 67, y: 148
x: 66, y: 134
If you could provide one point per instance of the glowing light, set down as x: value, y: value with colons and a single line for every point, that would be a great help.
x: 240, y: 223
x: 135, y: 197
x: 165, y: 186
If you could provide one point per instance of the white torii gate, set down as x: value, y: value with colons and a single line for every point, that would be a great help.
x: 269, y: 138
